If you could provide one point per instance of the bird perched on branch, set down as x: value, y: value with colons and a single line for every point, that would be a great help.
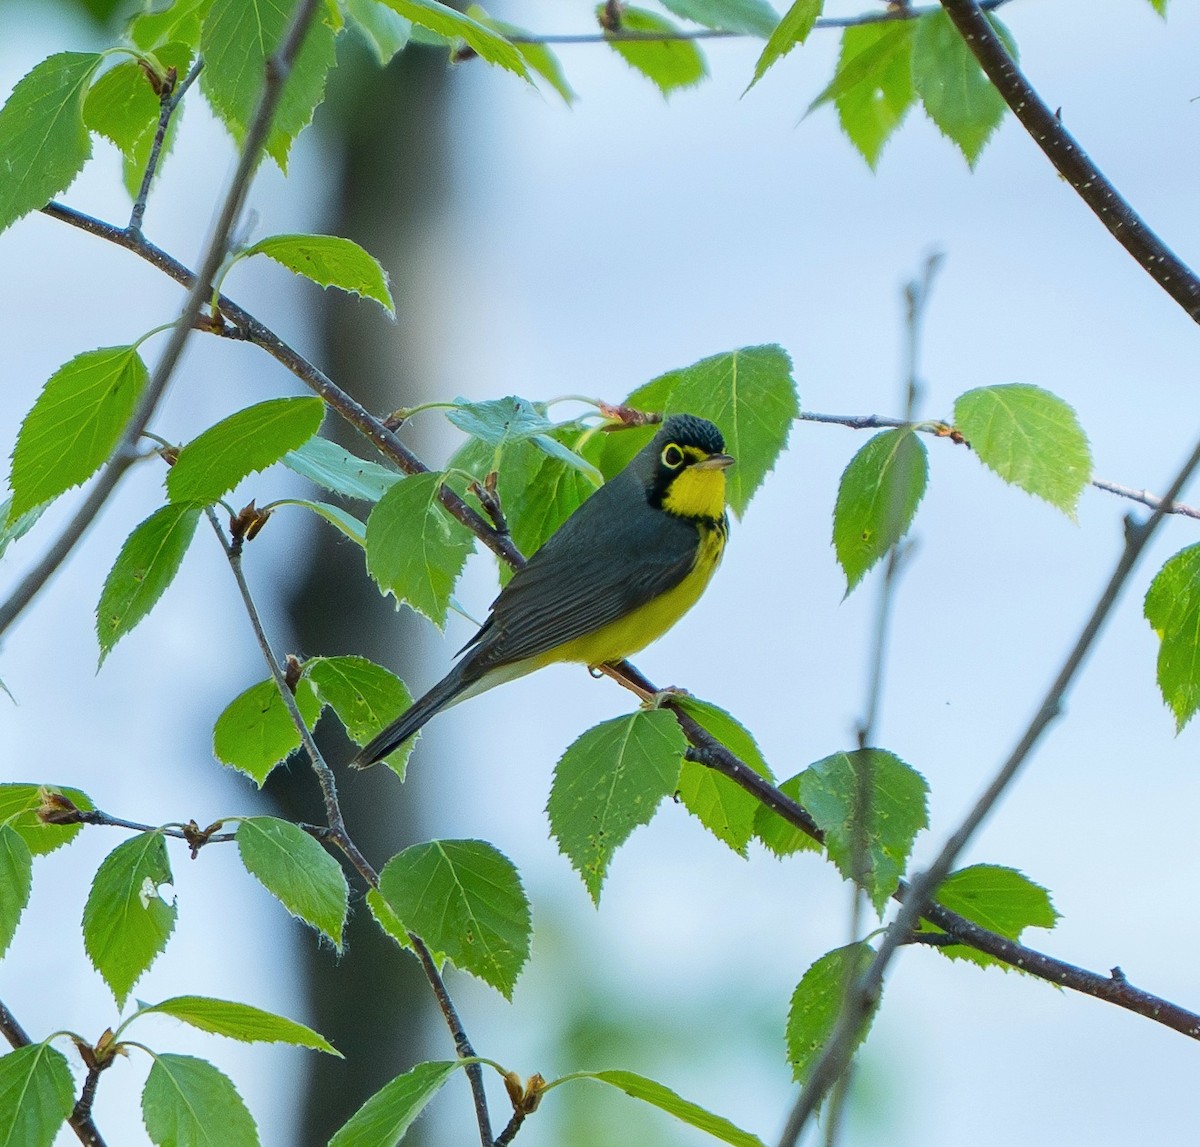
x: 618, y: 573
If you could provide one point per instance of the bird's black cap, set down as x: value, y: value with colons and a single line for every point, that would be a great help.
x: 688, y: 430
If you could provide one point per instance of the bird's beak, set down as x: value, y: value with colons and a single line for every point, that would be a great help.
x: 716, y: 462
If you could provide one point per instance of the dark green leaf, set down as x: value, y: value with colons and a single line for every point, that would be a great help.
x: 256, y: 732
x: 538, y: 57
x: 415, y: 550
x: 445, y: 21
x: 213, y: 463
x: 793, y: 29
x: 1001, y: 900
x: 724, y: 808
x: 146, y: 565
x: 240, y: 1021
x: 130, y: 912
x: 878, y: 495
x: 19, y: 804
x: 16, y: 882
x: 779, y: 835
x: 748, y: 393
x: 609, y: 781
x: 386, y: 32
x: 817, y: 1002
x: 36, y: 1095
x: 365, y: 696
x: 657, y: 1095
x: 671, y: 63
x: 1029, y: 437
x: 873, y: 86
x: 42, y: 136
x: 957, y: 95
x: 329, y: 261
x: 392, y: 1110
x: 896, y: 811
x: 328, y: 465
x: 1172, y: 608
x: 293, y: 867
x: 463, y: 898
x: 748, y: 17
x: 189, y: 1103
x: 74, y: 424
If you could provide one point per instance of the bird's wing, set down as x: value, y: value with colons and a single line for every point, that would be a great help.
x: 611, y: 556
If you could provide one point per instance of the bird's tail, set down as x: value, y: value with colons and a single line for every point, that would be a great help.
x: 441, y: 696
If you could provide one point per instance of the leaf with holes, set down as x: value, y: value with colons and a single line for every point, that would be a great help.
x: 329, y: 261
x: 817, y: 1004
x: 463, y: 898
x: 189, y: 1103
x: 256, y: 732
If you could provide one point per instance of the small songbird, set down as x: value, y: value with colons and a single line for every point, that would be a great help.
x: 618, y: 573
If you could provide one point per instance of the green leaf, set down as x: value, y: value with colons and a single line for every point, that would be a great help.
x: 19, y: 804
x: 385, y: 32
x: 749, y: 393
x: 1172, y: 608
x: 609, y: 781
x: 189, y: 1103
x: 747, y: 17
x: 392, y: 1110
x: 15, y: 530
x: 392, y: 925
x: 780, y: 836
x: 121, y: 105
x: 74, y: 425
x: 670, y: 64
x: 256, y: 732
x: 1002, y: 900
x: 346, y: 524
x: 726, y: 809
x: 329, y: 261
x: 128, y: 917
x: 499, y: 421
x: 16, y: 882
x: 42, y: 135
x: 294, y: 868
x: 956, y: 93
x: 240, y: 1021
x: 873, y: 85
x: 896, y: 811
x: 36, y: 1095
x: 1159, y: 6
x: 877, y: 497
x: 213, y: 463
x: 237, y: 39
x: 339, y: 471
x: 179, y: 21
x: 538, y: 57
x: 817, y: 1002
x: 465, y: 899
x: 365, y: 696
x: 146, y: 565
x: 445, y: 21
x: 415, y: 550
x: 657, y: 1095
x: 1030, y: 437
x: 793, y: 29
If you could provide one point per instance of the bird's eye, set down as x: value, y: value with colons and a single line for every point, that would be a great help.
x: 672, y: 457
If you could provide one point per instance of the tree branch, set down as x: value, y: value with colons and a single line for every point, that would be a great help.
x: 169, y: 100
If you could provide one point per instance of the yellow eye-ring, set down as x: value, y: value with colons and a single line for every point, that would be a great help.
x: 672, y: 457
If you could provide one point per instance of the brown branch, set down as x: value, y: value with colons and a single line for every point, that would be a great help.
x: 169, y: 99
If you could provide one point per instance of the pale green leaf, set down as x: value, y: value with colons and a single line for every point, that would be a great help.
x: 256, y: 732
x: 415, y: 550
x: 445, y: 21
x: 74, y: 425
x: 214, y: 462
x: 16, y: 882
x: 464, y: 899
x: 386, y: 32
x: 146, y: 565
x: 877, y: 497
x: 37, y: 1094
x: 43, y: 141
x: 329, y: 261
x: 383, y: 1120
x: 1172, y: 607
x: 671, y: 63
x: 793, y: 29
x: 15, y: 530
x: 189, y: 1103
x: 19, y: 804
x: 539, y: 58
x: 746, y: 17
x: 346, y: 524
x: 297, y: 870
x: 1030, y: 437
x: 498, y: 421
x: 339, y: 471
x: 817, y: 1003
x: 130, y: 912
x: 239, y: 1021
x: 609, y: 781
x: 180, y: 20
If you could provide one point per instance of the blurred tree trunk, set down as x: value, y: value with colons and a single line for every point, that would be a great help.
x: 373, y: 1003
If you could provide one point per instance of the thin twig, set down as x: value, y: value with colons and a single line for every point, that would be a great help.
x: 169, y: 100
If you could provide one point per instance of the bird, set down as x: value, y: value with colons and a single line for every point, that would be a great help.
x: 626, y: 565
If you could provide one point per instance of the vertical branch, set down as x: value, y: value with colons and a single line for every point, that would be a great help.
x: 169, y: 98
